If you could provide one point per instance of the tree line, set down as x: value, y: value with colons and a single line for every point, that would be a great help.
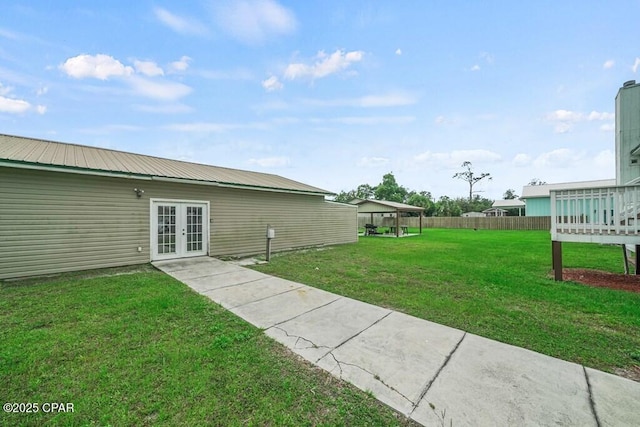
x: 390, y: 190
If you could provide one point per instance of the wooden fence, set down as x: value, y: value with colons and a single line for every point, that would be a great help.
x: 482, y: 223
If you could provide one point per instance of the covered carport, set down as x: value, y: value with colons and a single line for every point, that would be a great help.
x: 383, y: 206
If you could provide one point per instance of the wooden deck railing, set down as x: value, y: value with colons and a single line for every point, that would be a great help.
x: 602, y: 215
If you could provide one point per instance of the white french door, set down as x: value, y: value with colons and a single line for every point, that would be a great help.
x: 179, y: 229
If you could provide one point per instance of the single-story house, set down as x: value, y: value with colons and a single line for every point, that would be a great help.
x: 537, y: 198
x: 507, y: 204
x: 68, y: 207
x: 494, y: 212
x: 472, y: 215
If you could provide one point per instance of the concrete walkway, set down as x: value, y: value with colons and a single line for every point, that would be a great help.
x: 413, y: 364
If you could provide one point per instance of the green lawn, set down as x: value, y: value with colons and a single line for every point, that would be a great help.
x: 143, y: 349
x: 496, y: 284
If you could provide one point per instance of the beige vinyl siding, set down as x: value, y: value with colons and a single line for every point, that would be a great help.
x: 240, y: 220
x: 54, y: 221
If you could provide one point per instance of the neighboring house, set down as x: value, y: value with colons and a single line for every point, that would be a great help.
x: 604, y: 213
x: 70, y: 207
x: 494, y: 212
x: 472, y: 215
x: 537, y: 198
x: 507, y: 204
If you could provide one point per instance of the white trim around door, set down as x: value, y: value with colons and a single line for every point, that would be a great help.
x: 179, y: 228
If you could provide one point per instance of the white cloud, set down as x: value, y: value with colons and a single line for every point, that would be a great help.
x: 9, y: 105
x: 559, y: 158
x: 181, y: 65
x: 476, y: 67
x: 564, y: 115
x: 636, y: 64
x: 179, y: 24
x: 270, y: 162
x: 373, y: 162
x: 398, y: 51
x: 605, y: 159
x: 255, y: 21
x: 97, y: 66
x: 608, y: 64
x: 324, y: 65
x: 440, y: 120
x: 148, y: 68
x: 369, y: 101
x: 521, y: 159
x: 163, y: 90
x: 608, y: 127
x: 595, y: 115
x: 16, y: 106
x: 272, y: 84
x: 565, y: 119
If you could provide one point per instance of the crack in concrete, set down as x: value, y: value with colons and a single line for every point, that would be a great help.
x: 298, y: 339
x: 592, y: 403
x: 430, y: 382
x: 355, y: 335
x: 375, y: 376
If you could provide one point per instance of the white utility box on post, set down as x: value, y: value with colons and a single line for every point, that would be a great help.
x: 271, y: 234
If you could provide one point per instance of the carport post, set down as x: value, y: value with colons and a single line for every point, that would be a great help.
x: 397, y: 222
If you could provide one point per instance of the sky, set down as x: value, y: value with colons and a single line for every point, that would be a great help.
x: 330, y: 93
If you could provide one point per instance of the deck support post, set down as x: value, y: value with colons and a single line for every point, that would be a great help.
x: 625, y: 259
x: 637, y: 260
x: 556, y: 258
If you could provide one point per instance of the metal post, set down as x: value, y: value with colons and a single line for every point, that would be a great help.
x: 270, y: 235
x: 637, y: 259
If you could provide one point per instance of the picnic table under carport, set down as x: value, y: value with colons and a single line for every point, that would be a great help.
x: 385, y: 206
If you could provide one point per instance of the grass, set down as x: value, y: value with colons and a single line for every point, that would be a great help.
x: 140, y: 348
x: 496, y: 284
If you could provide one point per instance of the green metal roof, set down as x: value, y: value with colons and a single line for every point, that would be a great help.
x: 37, y: 153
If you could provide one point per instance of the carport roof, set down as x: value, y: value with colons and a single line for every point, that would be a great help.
x: 32, y: 153
x: 381, y: 206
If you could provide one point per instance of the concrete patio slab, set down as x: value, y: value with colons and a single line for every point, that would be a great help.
x: 282, y: 307
x: 232, y: 296
x: 396, y: 358
x: 490, y: 383
x: 616, y: 400
x: 314, y: 334
x: 172, y: 265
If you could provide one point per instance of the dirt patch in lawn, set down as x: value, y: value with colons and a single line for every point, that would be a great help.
x: 603, y: 279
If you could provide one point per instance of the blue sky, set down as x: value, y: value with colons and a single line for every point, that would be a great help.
x: 330, y: 93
